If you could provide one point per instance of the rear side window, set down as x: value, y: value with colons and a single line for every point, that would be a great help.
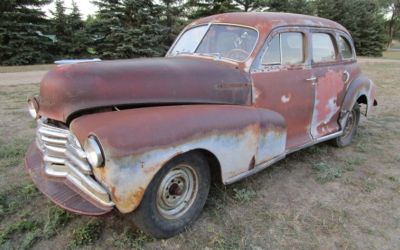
x: 345, y: 48
x: 323, y: 48
x: 285, y: 48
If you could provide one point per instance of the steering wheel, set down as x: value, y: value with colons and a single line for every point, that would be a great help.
x: 237, y: 54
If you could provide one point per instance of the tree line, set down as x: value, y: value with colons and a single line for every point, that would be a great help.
x: 146, y: 28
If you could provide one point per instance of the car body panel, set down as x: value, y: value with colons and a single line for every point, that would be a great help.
x: 138, y: 142
x: 72, y: 88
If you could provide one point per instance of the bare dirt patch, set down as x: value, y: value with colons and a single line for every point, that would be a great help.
x: 319, y: 198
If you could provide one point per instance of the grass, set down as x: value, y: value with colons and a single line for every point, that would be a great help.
x: 12, y: 152
x: 9, y: 69
x: 394, y: 55
x: 327, y: 172
x: 86, y: 234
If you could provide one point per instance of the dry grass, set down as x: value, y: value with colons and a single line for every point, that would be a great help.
x: 319, y: 198
x: 8, y: 69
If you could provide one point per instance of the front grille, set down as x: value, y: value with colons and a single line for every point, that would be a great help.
x: 65, y: 158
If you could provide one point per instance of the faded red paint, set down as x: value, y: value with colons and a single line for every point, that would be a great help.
x: 72, y: 88
x: 246, y: 114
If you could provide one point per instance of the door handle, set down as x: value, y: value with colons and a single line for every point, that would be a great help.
x: 312, y: 79
x: 346, y: 76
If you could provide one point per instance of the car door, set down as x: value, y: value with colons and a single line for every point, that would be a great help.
x: 281, y: 82
x: 330, y: 79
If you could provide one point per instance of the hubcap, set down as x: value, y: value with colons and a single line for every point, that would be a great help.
x: 177, y: 191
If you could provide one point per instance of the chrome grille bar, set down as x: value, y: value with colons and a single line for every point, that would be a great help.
x: 64, y: 158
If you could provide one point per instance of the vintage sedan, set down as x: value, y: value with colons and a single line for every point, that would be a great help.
x: 235, y: 93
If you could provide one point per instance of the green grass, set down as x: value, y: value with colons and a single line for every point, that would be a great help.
x: 57, y: 218
x: 130, y: 239
x: 244, y: 195
x: 15, y: 198
x: 12, y: 152
x: 86, y: 234
x: 327, y: 172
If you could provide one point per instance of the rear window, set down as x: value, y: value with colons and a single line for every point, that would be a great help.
x: 323, y: 48
x: 285, y: 48
x: 345, y: 48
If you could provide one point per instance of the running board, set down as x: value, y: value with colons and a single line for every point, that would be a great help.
x: 266, y: 164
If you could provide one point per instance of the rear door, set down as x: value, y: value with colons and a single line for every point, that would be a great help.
x: 330, y: 79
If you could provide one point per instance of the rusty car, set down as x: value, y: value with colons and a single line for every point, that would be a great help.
x: 235, y: 93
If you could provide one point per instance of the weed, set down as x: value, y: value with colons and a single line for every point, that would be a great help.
x: 244, y: 195
x: 392, y: 178
x: 15, y: 198
x: 87, y: 234
x: 131, y: 239
x: 369, y: 186
x: 353, y: 162
x: 397, y: 158
x: 19, y: 227
x: 56, y: 218
x: 327, y: 173
x: 11, y: 153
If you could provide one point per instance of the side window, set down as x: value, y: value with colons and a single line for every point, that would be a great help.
x: 285, y: 48
x: 323, y: 48
x: 345, y: 48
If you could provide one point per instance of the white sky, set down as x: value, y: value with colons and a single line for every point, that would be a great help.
x: 85, y: 6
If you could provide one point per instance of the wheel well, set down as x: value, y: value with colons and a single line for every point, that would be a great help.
x: 215, y: 166
x: 362, y: 99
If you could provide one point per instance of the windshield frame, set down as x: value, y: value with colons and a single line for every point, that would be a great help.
x: 205, y: 34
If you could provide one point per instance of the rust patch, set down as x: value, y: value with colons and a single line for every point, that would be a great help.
x: 252, y: 163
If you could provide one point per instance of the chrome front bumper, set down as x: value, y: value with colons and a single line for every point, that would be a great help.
x: 64, y: 158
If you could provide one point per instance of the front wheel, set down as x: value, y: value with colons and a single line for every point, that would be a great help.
x: 175, y: 197
x: 350, y: 129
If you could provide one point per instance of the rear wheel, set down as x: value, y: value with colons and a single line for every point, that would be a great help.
x: 350, y: 129
x: 175, y: 197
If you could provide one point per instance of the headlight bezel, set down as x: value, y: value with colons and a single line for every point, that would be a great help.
x: 33, y: 107
x: 94, y: 152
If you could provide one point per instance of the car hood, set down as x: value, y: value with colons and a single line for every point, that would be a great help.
x: 70, y: 89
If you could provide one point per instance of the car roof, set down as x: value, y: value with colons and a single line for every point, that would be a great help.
x: 266, y: 21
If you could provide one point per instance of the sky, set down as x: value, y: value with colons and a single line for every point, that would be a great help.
x: 85, y: 6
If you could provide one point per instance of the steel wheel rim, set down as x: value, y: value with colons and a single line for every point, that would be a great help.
x: 351, y: 121
x: 177, y: 191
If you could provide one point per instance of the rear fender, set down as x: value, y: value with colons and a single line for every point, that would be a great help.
x: 138, y: 142
x: 360, y: 87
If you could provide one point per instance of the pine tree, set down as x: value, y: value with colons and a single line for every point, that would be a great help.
x: 79, y: 38
x: 291, y: 6
x: 22, y: 25
x: 127, y: 29
x: 202, y: 8
x: 251, y: 5
x: 362, y: 18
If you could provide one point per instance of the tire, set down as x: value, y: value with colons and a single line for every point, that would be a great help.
x: 185, y: 181
x: 350, y: 129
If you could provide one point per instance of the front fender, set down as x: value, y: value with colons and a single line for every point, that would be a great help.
x: 138, y: 142
x: 361, y: 86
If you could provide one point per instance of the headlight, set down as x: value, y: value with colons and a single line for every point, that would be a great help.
x: 33, y: 107
x: 93, y: 151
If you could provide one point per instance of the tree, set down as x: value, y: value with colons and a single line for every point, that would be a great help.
x: 362, y: 18
x: 392, y: 9
x: 251, y: 5
x: 202, y: 8
x: 292, y: 6
x: 22, y: 25
x: 128, y: 28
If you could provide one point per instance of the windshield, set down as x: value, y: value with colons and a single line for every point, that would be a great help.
x: 227, y: 41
